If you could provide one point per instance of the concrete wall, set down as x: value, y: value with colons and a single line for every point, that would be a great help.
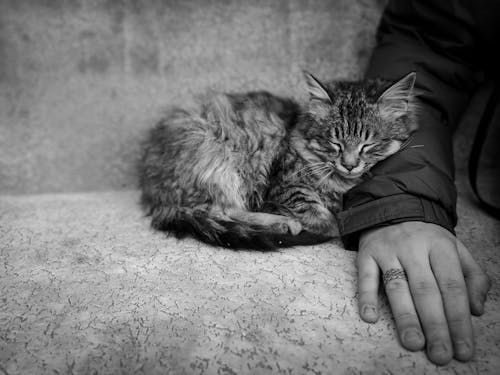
x: 81, y: 80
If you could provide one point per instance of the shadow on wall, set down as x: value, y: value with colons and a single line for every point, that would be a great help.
x: 80, y: 81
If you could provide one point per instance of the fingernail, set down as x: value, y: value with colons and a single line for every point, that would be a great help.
x: 369, y: 312
x: 412, y: 336
x: 438, y: 349
x: 462, y: 348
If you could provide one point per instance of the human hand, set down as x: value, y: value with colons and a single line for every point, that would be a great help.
x: 433, y: 306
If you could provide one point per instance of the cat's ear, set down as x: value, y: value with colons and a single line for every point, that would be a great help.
x: 398, y: 98
x: 315, y: 87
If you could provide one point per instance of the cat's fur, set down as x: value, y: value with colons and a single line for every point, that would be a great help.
x: 259, y: 171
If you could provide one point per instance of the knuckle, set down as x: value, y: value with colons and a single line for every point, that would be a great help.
x: 407, y: 319
x: 457, y: 322
x: 367, y: 277
x: 453, y: 286
x: 443, y: 243
x: 424, y: 287
x: 396, y: 285
x: 435, y: 329
x: 373, y: 249
x: 367, y: 292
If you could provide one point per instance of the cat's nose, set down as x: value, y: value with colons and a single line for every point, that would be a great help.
x: 349, y: 161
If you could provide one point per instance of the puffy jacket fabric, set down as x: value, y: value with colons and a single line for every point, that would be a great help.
x: 441, y: 41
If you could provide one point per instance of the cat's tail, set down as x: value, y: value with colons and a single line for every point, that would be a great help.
x: 223, y: 231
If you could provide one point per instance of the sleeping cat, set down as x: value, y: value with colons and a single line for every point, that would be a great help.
x: 259, y: 171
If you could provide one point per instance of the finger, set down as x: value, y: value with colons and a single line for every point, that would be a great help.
x: 403, y: 310
x: 429, y: 306
x: 478, y: 283
x: 456, y: 303
x: 368, y: 281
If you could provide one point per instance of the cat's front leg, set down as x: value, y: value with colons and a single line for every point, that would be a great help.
x: 308, y: 207
x: 318, y: 219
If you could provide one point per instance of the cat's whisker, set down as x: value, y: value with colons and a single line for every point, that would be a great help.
x: 321, y: 169
x: 313, y: 172
x: 324, y: 178
x: 317, y: 166
x: 308, y: 166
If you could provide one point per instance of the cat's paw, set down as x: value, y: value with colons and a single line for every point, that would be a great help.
x: 294, y: 227
x: 289, y: 226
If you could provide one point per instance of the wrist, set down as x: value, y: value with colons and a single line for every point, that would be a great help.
x: 388, y: 211
x: 403, y: 230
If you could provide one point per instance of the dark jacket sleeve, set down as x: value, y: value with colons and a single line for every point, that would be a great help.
x: 436, y: 40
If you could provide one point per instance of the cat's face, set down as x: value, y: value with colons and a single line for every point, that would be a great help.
x: 351, y: 126
x: 353, y: 156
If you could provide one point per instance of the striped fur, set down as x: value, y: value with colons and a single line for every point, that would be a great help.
x: 258, y: 171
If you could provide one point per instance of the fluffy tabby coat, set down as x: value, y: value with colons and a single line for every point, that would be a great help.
x: 259, y: 171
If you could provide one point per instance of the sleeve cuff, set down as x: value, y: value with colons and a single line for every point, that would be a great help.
x: 391, y: 210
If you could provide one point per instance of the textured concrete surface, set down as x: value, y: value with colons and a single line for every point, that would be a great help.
x: 86, y: 287
x: 80, y: 80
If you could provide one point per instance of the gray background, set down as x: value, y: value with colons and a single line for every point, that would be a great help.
x: 81, y: 80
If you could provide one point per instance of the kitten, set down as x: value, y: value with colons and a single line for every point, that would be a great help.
x: 256, y: 170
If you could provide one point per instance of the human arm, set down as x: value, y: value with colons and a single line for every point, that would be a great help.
x: 403, y: 217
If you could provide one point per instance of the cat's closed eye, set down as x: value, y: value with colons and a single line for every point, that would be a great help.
x: 315, y: 145
x: 366, y: 147
x: 337, y: 147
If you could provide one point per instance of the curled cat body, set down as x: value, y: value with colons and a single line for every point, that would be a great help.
x: 256, y: 170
